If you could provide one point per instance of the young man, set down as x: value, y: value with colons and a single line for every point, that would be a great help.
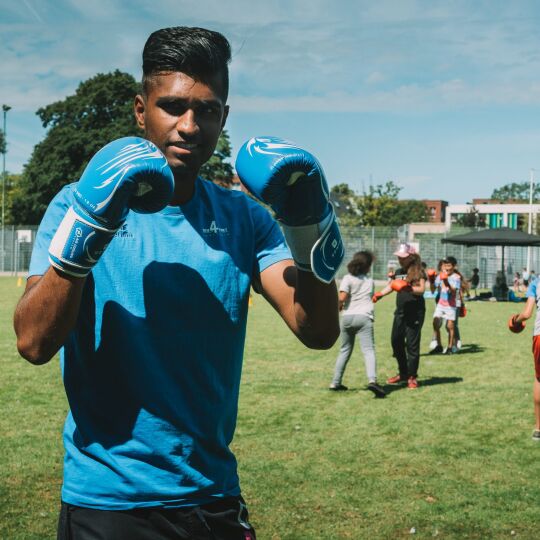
x: 448, y: 284
x: 516, y: 325
x: 152, y: 326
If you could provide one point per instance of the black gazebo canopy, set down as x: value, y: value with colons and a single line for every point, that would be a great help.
x: 503, y: 236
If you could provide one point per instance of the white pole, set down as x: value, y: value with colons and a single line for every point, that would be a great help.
x: 5, y: 109
x: 531, y: 188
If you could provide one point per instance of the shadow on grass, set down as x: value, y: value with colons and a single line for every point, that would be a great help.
x: 471, y: 348
x: 432, y: 381
x: 468, y: 348
x: 389, y: 388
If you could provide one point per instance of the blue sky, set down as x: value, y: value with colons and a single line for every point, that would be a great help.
x: 442, y: 97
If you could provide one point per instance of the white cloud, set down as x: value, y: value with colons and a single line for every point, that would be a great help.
x: 291, y: 54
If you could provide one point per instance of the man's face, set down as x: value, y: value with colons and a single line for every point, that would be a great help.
x: 183, y: 118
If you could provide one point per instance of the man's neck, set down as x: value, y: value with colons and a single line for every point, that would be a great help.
x: 184, y: 188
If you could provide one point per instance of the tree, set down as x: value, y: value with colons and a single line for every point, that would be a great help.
x: 100, y: 111
x: 216, y: 168
x: 344, y: 200
x: 472, y: 218
x: 12, y: 185
x: 380, y: 206
x: 517, y: 191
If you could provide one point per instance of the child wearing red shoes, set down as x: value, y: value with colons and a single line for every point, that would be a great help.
x: 408, y: 283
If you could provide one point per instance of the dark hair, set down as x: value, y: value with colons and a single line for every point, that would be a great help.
x: 197, y: 52
x: 414, y: 269
x: 475, y: 270
x: 450, y: 260
x: 360, y: 263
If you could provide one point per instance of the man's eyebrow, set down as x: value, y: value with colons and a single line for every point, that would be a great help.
x: 164, y: 100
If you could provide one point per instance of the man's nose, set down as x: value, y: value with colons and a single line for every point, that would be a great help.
x: 187, y: 123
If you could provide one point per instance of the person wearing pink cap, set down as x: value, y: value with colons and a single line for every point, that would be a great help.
x: 408, y: 282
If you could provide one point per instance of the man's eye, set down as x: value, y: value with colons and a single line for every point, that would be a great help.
x: 209, y: 111
x: 173, y: 109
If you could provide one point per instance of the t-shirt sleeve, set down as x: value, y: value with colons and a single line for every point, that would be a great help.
x: 39, y: 262
x: 531, y: 290
x: 345, y: 285
x: 270, y: 246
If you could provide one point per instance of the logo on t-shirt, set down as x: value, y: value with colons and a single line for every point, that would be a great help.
x: 123, y: 232
x: 214, y: 229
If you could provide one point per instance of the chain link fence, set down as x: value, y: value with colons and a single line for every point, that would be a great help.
x: 383, y: 242
x: 18, y: 241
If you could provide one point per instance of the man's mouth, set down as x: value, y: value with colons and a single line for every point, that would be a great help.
x: 184, y: 146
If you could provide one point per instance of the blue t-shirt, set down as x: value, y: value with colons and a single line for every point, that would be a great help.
x: 152, y: 368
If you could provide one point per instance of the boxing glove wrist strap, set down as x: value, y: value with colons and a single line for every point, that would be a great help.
x: 316, y: 248
x: 78, y: 243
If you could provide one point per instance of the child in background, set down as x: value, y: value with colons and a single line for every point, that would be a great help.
x: 460, y: 308
x: 409, y: 284
x: 355, y: 292
x: 434, y: 347
x: 448, y: 284
x: 474, y: 281
x: 517, y: 283
x: 516, y: 324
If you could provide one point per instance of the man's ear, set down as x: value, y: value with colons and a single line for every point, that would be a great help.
x: 139, y: 107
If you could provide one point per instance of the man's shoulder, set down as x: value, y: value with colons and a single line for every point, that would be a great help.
x: 234, y: 197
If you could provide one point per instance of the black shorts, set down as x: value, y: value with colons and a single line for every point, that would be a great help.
x: 226, y: 519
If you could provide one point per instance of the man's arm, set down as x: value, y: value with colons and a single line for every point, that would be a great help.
x: 308, y: 306
x: 46, y: 313
x: 84, y: 224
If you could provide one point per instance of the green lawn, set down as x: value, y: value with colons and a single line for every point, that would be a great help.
x: 453, y: 459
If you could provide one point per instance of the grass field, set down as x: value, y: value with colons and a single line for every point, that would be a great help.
x: 453, y: 459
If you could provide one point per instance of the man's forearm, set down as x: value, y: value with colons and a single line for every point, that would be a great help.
x: 46, y: 314
x: 316, y: 311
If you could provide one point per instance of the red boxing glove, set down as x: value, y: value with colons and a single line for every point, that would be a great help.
x: 431, y: 274
x: 443, y: 276
x: 462, y: 311
x: 515, y: 326
x: 376, y: 297
x: 399, y: 285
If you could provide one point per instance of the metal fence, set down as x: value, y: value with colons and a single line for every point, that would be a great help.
x: 16, y: 246
x: 383, y: 241
x: 18, y: 241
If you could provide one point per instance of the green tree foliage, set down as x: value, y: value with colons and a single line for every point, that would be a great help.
x: 100, y: 111
x: 472, y: 218
x: 518, y: 191
x: 13, y: 182
x: 216, y: 168
x: 344, y: 200
x: 380, y: 206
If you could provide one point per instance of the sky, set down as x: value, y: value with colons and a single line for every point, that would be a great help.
x: 441, y: 97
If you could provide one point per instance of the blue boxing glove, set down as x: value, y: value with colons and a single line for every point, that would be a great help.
x: 291, y: 181
x: 129, y: 173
